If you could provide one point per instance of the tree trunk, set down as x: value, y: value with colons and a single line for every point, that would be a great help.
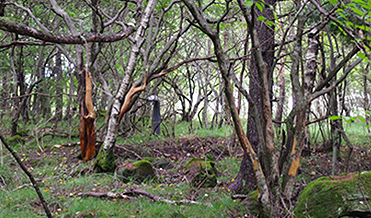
x: 224, y: 65
x: 58, y: 88
x: 105, y: 159
x: 87, y: 118
x: 245, y: 180
x: 310, y: 72
x: 290, y: 159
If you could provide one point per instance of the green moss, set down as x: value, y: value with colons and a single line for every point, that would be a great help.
x: 139, y: 171
x: 142, y: 163
x: 150, y: 159
x: 22, y: 132
x: 194, y: 162
x: 105, y: 161
x: 17, y: 139
x: 334, y: 196
x: 204, y: 180
x: 144, y: 169
x: 206, y: 175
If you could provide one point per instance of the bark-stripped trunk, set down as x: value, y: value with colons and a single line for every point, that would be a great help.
x: 87, y: 120
x: 290, y: 158
x: 105, y: 160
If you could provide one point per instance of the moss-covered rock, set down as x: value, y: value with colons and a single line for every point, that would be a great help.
x: 201, y: 173
x: 139, y: 171
x: 105, y: 161
x: 344, y: 195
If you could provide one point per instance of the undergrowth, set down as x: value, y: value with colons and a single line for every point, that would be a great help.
x: 63, y: 178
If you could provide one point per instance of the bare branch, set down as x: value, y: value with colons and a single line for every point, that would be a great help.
x: 333, y: 72
x: 7, y: 45
x: 337, y: 82
x: 11, y: 26
x: 32, y: 15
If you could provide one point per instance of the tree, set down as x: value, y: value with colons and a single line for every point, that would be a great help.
x: 245, y: 180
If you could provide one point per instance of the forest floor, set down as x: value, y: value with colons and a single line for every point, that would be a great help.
x: 64, y: 179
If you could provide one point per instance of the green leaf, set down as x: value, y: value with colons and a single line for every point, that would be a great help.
x: 269, y: 23
x: 359, y: 1
x: 361, y: 55
x: 334, y: 117
x: 333, y: 2
x: 361, y: 118
x: 260, y: 6
x: 261, y: 18
x: 249, y: 3
x: 357, y: 11
x: 347, y: 119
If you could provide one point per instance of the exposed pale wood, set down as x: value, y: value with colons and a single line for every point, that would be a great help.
x: 133, y: 90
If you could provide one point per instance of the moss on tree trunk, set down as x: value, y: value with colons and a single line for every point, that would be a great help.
x: 105, y: 161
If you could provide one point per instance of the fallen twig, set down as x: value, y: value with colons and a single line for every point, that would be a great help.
x: 125, y: 149
x: 134, y: 192
x: 239, y: 196
x: 103, y: 195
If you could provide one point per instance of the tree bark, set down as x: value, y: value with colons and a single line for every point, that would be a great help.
x: 58, y: 87
x: 224, y: 65
x: 105, y: 158
x: 290, y: 158
x: 266, y: 36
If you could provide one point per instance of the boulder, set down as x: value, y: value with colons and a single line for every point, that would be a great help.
x: 139, y: 171
x: 201, y: 173
x: 337, y: 196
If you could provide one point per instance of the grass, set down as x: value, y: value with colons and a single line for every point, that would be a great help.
x: 356, y: 132
x: 61, y: 192
x: 61, y: 181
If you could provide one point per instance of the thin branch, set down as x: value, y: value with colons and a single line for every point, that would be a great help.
x: 113, y: 19
x: 154, y: 76
x: 333, y: 72
x: 7, y: 45
x: 337, y: 82
x: 33, y: 17
x: 32, y: 179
